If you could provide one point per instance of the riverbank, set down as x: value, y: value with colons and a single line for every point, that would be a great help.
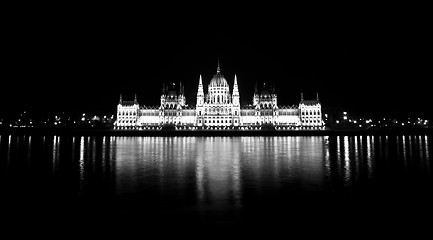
x: 110, y: 132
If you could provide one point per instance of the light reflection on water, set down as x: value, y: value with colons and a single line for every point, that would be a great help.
x: 55, y: 153
x: 81, y: 164
x: 214, y: 174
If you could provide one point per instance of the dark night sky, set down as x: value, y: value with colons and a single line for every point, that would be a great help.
x: 365, y: 59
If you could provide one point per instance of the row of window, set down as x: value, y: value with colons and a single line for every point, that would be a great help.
x: 314, y: 112
x: 293, y: 113
x: 218, y: 91
x: 170, y: 113
x: 127, y: 116
x: 171, y: 106
x: 218, y: 117
x: 217, y: 121
x: 309, y: 117
x: 153, y: 114
x: 225, y: 121
x: 311, y: 121
x: 126, y: 121
x: 266, y: 105
x: 127, y: 113
x: 218, y: 110
x: 218, y: 99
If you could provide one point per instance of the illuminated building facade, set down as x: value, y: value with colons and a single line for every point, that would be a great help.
x: 219, y: 109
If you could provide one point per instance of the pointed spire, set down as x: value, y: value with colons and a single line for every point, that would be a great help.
x: 317, y: 96
x: 135, y: 99
x: 235, y: 86
x: 255, y: 89
x: 200, y: 93
x: 218, y: 68
x: 302, y: 96
x: 120, y: 99
x: 200, y: 88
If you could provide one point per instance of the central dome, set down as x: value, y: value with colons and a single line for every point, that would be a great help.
x: 218, y: 80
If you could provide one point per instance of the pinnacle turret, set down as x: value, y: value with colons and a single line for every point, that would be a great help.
x: 235, y: 86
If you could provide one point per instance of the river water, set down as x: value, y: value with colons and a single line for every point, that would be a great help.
x: 218, y: 181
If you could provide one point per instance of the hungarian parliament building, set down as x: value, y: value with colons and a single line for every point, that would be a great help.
x: 219, y: 109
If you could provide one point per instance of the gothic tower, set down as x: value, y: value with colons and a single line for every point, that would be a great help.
x: 236, y: 109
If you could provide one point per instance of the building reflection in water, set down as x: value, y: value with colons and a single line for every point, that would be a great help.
x: 9, y: 152
x: 427, y: 152
x: 347, y: 162
x: 81, y: 165
x: 208, y: 174
x: 218, y: 171
x: 55, y: 153
x: 370, y: 156
x: 29, y: 149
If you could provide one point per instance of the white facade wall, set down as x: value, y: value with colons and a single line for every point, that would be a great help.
x: 148, y: 117
x: 248, y: 117
x: 311, y: 115
x: 267, y: 116
x: 289, y: 120
x: 188, y: 117
x: 127, y: 116
x: 131, y: 116
x: 288, y: 116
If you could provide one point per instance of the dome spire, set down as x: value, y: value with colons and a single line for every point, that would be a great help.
x: 218, y: 79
